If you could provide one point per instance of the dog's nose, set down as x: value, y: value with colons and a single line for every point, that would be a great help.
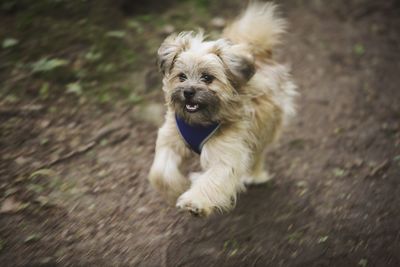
x: 188, y: 93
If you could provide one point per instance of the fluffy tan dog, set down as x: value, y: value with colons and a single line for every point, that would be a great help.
x: 232, y: 85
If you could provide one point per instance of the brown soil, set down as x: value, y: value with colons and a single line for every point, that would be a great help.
x: 334, y: 199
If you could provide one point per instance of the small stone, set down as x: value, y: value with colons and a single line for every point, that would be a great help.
x: 45, y: 260
x: 32, y: 238
x: 44, y: 124
x: 71, y: 125
x: 21, y: 160
x: 142, y: 210
x: 358, y: 162
x: 10, y: 205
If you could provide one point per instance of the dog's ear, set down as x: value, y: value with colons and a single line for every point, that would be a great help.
x: 169, y: 50
x: 239, y: 63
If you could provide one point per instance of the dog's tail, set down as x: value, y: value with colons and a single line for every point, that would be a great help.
x: 259, y: 27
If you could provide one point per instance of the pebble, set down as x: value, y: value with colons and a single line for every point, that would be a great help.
x: 10, y: 205
x: 44, y: 124
x: 21, y: 160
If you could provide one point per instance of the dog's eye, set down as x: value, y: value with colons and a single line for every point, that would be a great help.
x: 207, y: 78
x: 182, y: 77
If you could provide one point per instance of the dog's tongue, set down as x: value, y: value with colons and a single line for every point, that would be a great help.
x: 192, y: 107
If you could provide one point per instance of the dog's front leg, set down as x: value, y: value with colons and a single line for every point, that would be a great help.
x: 165, y: 174
x: 217, y: 187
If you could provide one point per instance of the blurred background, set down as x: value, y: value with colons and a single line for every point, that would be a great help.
x: 80, y: 104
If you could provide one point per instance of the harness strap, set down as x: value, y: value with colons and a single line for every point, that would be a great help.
x: 195, y: 136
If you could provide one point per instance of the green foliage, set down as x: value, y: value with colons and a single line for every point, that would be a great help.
x: 104, y: 97
x: 359, y: 49
x: 37, y: 188
x: 323, y: 239
x: 145, y: 18
x: 32, y: 238
x: 46, y: 65
x: 2, y: 244
x: 134, y: 98
x: 116, y: 34
x: 9, y: 42
x: 363, y: 262
x: 11, y: 98
x: 295, y: 236
x: 10, y: 191
x: 93, y: 55
x: 44, y: 90
x: 203, y: 3
x: 42, y: 172
x: 106, y: 68
x: 231, y: 246
x: 43, y: 180
x: 74, y: 88
x: 297, y: 143
x: 92, y: 50
x: 136, y: 25
x: 338, y: 172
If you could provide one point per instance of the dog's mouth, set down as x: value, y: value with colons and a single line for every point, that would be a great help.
x: 192, y: 107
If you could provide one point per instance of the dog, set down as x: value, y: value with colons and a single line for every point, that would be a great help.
x: 226, y: 101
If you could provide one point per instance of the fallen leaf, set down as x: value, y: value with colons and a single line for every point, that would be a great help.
x: 10, y: 205
x: 44, y: 64
x: 380, y: 168
x: 32, y: 238
x: 9, y: 42
x: 363, y: 262
x: 116, y: 34
x: 323, y: 239
x: 43, y: 172
x: 74, y: 88
x: 359, y: 49
x: 339, y: 172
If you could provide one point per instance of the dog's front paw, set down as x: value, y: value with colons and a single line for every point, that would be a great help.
x: 194, y: 204
x: 260, y: 178
x: 170, y: 189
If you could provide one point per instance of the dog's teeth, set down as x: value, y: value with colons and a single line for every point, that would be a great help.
x: 191, y: 107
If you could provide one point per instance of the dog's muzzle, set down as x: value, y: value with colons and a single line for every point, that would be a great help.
x: 189, y: 96
x: 196, y: 105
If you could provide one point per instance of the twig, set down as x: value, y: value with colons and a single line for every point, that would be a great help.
x: 83, y: 149
x: 380, y: 168
x: 24, y: 111
x: 72, y: 154
x: 256, y: 260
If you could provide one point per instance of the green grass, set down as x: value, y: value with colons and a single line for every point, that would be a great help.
x: 58, y: 48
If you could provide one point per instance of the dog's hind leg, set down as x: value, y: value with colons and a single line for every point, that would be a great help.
x: 258, y: 174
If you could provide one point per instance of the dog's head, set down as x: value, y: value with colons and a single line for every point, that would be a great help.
x: 203, y: 79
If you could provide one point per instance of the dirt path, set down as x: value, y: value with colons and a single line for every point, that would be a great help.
x: 334, y: 200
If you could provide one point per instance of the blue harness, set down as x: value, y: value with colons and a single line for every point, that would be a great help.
x: 195, y: 136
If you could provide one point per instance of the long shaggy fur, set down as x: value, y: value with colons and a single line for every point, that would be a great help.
x: 258, y: 27
x: 237, y: 84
